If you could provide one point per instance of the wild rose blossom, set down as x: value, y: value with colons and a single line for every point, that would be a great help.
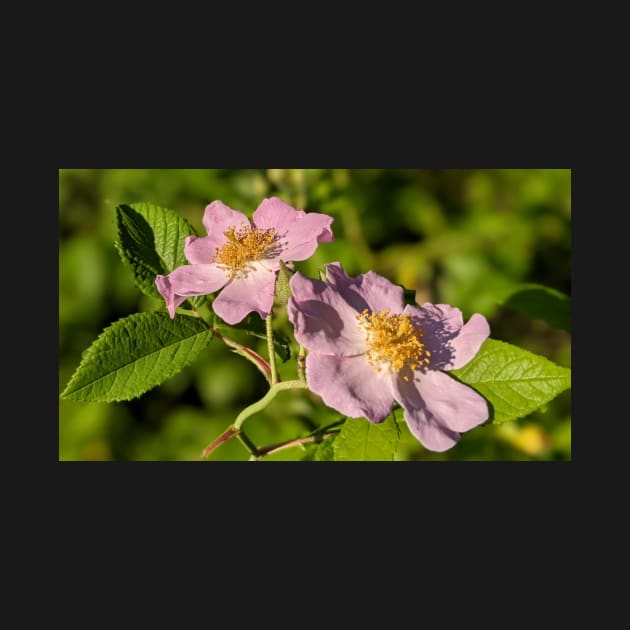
x: 243, y: 258
x: 367, y: 349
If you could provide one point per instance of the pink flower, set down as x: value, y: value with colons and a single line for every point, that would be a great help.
x: 367, y: 349
x: 243, y: 258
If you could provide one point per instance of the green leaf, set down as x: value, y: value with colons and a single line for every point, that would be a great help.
x: 540, y: 302
x: 151, y: 241
x: 320, y: 451
x: 254, y: 326
x: 325, y: 450
x: 514, y: 381
x: 361, y: 440
x: 135, y: 354
x: 409, y: 295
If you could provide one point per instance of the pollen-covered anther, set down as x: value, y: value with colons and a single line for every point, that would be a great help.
x: 244, y: 245
x: 393, y: 341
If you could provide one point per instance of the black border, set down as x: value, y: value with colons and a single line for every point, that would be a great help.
x: 402, y: 134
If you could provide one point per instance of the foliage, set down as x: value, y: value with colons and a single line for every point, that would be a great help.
x: 494, y: 242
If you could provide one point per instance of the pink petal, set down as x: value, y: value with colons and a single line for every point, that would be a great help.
x: 200, y: 250
x: 166, y: 291
x: 368, y: 290
x: 299, y: 232
x: 326, y: 236
x: 218, y: 218
x: 187, y: 281
x: 467, y: 343
x: 423, y: 425
x: 274, y: 213
x: 241, y: 296
x: 452, y: 403
x: 438, y: 408
x: 323, y: 321
x: 451, y: 344
x: 305, y: 234
x: 350, y: 385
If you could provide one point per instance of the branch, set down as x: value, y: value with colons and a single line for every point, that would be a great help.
x: 274, y: 448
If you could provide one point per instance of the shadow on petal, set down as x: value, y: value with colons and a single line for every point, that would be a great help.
x: 438, y: 337
x: 320, y: 317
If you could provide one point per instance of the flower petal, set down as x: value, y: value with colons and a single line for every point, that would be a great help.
x: 305, y: 234
x: 451, y: 344
x: 350, y: 385
x: 368, y: 290
x: 467, y: 343
x: 453, y: 404
x: 241, y: 296
x: 326, y: 235
x: 299, y: 232
x: 199, y: 250
x: 323, y: 321
x: 425, y: 427
x: 274, y: 213
x: 218, y: 218
x: 166, y: 291
x: 187, y: 281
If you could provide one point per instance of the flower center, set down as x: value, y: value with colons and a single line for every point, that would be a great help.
x: 244, y: 245
x: 393, y: 341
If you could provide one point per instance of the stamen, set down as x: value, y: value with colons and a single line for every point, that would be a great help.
x: 393, y: 341
x: 244, y: 245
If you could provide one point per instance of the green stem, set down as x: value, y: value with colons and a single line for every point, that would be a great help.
x: 188, y: 313
x: 247, y: 353
x: 248, y: 444
x: 228, y: 434
x: 301, y: 366
x: 266, y: 399
x: 204, y: 313
x: 274, y: 448
x: 272, y: 354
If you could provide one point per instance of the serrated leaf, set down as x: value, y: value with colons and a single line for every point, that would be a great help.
x: 361, y: 440
x: 136, y: 247
x: 541, y: 302
x: 135, y: 354
x: 515, y: 381
x: 151, y: 241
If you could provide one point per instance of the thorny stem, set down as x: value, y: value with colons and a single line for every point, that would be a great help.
x: 272, y: 354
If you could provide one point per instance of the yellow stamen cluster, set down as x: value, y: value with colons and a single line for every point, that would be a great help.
x: 393, y: 341
x: 244, y: 244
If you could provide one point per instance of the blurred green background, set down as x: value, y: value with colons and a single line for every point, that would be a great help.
x: 463, y: 237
